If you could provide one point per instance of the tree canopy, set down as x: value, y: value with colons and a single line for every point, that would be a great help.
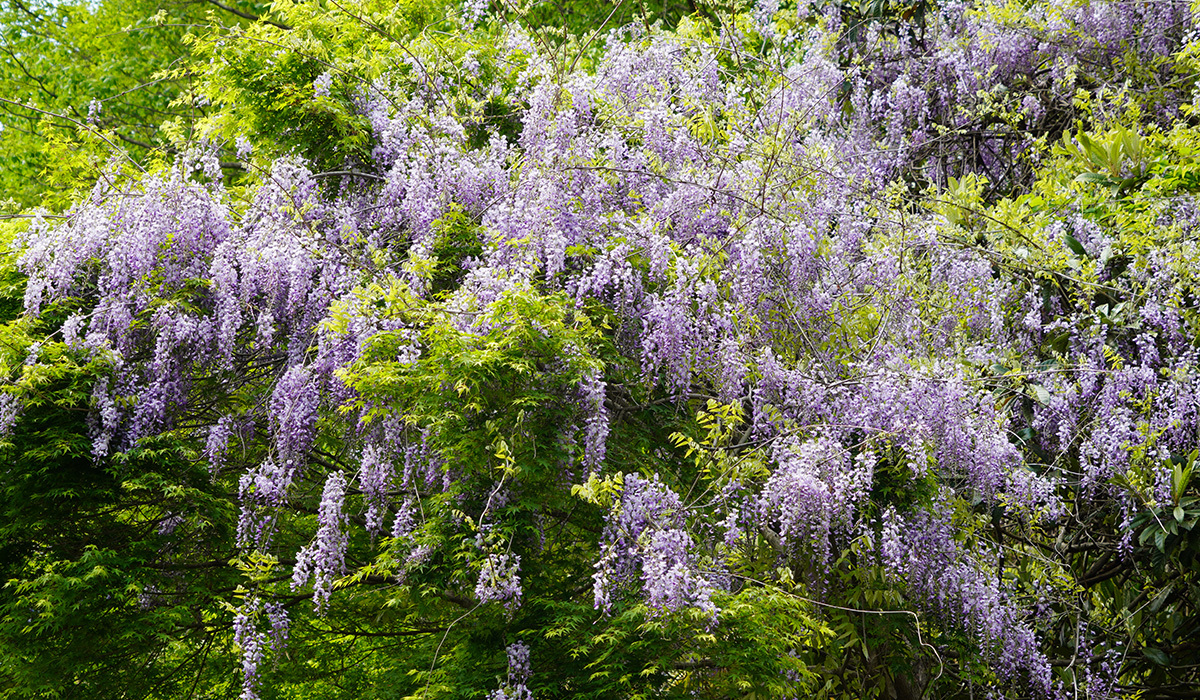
x: 500, y: 350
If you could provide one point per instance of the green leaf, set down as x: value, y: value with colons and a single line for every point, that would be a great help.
x: 1157, y: 656
x: 1075, y: 246
x: 1161, y: 598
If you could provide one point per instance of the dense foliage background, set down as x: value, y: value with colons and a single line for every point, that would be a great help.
x: 363, y: 349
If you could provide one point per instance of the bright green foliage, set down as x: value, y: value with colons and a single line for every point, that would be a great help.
x: 81, y: 83
x: 495, y: 401
x: 262, y: 77
x: 112, y: 571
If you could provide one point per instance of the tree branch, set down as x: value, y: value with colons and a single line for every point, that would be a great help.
x: 247, y: 15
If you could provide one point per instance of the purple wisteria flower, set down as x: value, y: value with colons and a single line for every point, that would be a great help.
x: 519, y: 673
x: 255, y: 643
x: 592, y: 392
x: 500, y: 581
x: 322, y: 84
x: 325, y: 559
x: 646, y: 537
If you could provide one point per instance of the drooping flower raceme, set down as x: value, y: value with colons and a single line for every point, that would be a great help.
x: 500, y: 580
x: 646, y: 538
x: 519, y: 672
x: 255, y: 643
x: 814, y: 490
x: 325, y: 559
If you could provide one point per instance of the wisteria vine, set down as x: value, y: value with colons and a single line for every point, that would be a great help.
x: 726, y: 201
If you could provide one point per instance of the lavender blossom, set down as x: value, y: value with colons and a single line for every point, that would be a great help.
x: 519, y: 673
x: 592, y: 392
x: 252, y: 643
x: 474, y: 11
x: 325, y: 559
x: 500, y: 581
x: 374, y: 478
x: 294, y: 406
x: 814, y: 490
x: 322, y: 84
x: 646, y: 531
x: 733, y: 228
x: 10, y: 411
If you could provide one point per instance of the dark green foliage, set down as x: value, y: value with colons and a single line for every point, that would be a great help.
x: 112, y: 569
